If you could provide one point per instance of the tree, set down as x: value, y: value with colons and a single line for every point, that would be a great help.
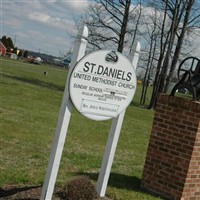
x: 20, y: 53
x: 117, y: 24
x: 4, y: 41
x: 25, y: 55
x: 151, y: 35
x: 177, y: 14
x: 9, y: 50
x: 110, y: 24
x: 15, y: 50
x: 180, y: 36
x: 166, y: 43
x: 8, y: 43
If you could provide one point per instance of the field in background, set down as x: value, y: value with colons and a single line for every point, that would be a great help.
x: 30, y: 104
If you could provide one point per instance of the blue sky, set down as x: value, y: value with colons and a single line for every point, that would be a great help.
x: 41, y: 25
x: 44, y: 25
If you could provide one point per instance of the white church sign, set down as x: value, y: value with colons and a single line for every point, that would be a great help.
x: 102, y: 84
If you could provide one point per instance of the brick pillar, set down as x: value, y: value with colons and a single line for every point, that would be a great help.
x: 172, y: 167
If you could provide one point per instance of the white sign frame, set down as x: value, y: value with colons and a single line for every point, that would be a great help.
x: 113, y: 137
x: 102, y: 89
x: 63, y: 123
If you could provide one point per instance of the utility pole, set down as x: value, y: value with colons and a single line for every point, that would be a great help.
x: 15, y: 40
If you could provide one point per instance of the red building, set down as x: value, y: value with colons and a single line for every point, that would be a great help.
x: 2, y: 49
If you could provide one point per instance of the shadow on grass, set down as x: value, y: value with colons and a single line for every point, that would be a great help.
x: 9, y: 190
x: 36, y: 82
x: 119, y: 181
x: 122, y: 181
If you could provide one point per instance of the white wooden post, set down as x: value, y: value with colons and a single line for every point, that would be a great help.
x: 114, y: 137
x: 109, y: 154
x: 135, y: 54
x: 63, y: 121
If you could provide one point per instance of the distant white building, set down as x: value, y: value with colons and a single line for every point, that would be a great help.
x: 37, y: 60
x: 13, y: 56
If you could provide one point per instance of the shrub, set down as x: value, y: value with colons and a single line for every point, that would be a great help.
x: 80, y: 188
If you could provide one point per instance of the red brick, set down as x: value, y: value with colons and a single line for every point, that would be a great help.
x: 192, y: 129
x: 174, y: 149
x: 183, y: 141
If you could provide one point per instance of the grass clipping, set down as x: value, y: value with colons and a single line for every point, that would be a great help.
x: 80, y: 188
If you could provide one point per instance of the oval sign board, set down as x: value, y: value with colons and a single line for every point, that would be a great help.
x: 102, y: 84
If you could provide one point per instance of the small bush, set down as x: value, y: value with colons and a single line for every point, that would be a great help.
x: 80, y: 188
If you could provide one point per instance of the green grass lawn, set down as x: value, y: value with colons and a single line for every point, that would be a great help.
x: 30, y: 105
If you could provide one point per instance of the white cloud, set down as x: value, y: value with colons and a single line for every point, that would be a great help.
x: 45, y: 43
x: 15, y: 23
x: 40, y: 24
x: 78, y: 5
x: 50, y: 21
x: 73, y: 6
x: 40, y: 17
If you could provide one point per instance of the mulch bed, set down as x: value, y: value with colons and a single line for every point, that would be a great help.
x: 11, y: 192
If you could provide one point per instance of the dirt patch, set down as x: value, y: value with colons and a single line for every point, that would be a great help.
x: 11, y: 192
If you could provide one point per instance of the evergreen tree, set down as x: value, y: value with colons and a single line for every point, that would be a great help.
x: 10, y: 43
x: 7, y: 42
x: 4, y: 41
x: 9, y: 50
x: 14, y: 50
x: 25, y: 54
x: 20, y: 53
